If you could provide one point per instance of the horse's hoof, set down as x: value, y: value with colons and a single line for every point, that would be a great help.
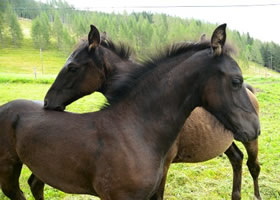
x: 258, y: 198
x: 236, y: 196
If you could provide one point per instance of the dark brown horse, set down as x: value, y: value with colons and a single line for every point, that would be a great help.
x: 202, y: 137
x: 120, y: 151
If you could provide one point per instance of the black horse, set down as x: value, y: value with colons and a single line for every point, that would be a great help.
x: 201, y: 138
x: 120, y: 151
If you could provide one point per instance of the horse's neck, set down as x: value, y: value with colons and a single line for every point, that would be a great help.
x: 114, y: 71
x: 163, y: 103
x: 123, y: 68
x: 115, y: 66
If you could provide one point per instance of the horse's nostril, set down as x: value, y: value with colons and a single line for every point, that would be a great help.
x: 60, y: 108
x: 259, y: 132
x: 45, y: 103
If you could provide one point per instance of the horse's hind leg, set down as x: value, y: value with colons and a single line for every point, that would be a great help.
x: 236, y: 157
x: 253, y: 164
x: 37, y: 187
x: 9, y: 180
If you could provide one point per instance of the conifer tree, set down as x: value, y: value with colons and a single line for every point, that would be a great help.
x: 67, y: 41
x: 14, y: 27
x: 40, y: 31
x: 58, y: 30
x: 36, y: 33
x: 1, y: 29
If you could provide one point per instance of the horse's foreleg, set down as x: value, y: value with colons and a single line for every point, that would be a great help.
x: 160, y: 192
x: 253, y: 164
x: 236, y: 157
x: 9, y: 180
x: 170, y: 157
x: 37, y: 187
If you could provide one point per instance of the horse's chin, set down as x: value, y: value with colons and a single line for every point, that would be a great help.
x: 60, y: 108
x: 240, y: 137
x: 56, y: 108
x: 244, y: 137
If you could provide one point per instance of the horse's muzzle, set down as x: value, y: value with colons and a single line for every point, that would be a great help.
x: 49, y: 106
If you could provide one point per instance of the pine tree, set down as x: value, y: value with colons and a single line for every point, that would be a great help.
x: 1, y: 29
x: 3, y: 5
x: 14, y: 27
x: 58, y: 30
x: 67, y: 41
x: 46, y: 28
x: 40, y: 31
x: 36, y: 33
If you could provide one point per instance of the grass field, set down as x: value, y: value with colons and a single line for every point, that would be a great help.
x: 208, y: 180
x: 24, y: 59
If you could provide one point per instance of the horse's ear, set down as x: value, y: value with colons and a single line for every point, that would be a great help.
x: 103, y: 36
x: 203, y: 37
x: 93, y: 37
x: 218, y: 39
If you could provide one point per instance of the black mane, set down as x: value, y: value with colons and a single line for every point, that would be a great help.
x: 124, y: 82
x: 122, y: 50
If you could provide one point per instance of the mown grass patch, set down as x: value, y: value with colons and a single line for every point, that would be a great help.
x: 208, y: 180
x: 26, y: 78
x: 26, y: 59
x: 257, y: 70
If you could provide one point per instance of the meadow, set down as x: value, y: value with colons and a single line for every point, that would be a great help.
x: 208, y: 180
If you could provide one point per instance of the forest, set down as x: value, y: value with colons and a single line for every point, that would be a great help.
x: 56, y: 22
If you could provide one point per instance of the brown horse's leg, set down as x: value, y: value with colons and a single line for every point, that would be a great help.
x: 170, y: 157
x: 37, y: 187
x: 160, y: 192
x: 253, y: 164
x: 9, y: 180
x: 236, y: 157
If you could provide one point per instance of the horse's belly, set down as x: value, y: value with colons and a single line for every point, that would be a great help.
x: 202, y: 138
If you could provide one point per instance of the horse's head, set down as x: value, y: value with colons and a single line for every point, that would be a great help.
x: 84, y: 72
x: 223, y: 91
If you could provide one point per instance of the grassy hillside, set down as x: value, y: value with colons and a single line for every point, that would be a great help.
x: 24, y: 59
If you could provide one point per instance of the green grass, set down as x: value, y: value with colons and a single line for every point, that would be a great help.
x: 25, y: 59
x: 208, y: 180
x: 26, y: 78
x: 26, y: 27
x: 256, y: 70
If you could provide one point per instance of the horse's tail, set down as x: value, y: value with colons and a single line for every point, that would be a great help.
x: 252, y: 96
x: 8, y: 119
x: 249, y: 87
x: 8, y: 122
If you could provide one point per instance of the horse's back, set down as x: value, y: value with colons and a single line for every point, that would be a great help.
x: 21, y: 105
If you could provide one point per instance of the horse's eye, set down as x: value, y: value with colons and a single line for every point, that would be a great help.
x: 72, y: 68
x: 236, y: 83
